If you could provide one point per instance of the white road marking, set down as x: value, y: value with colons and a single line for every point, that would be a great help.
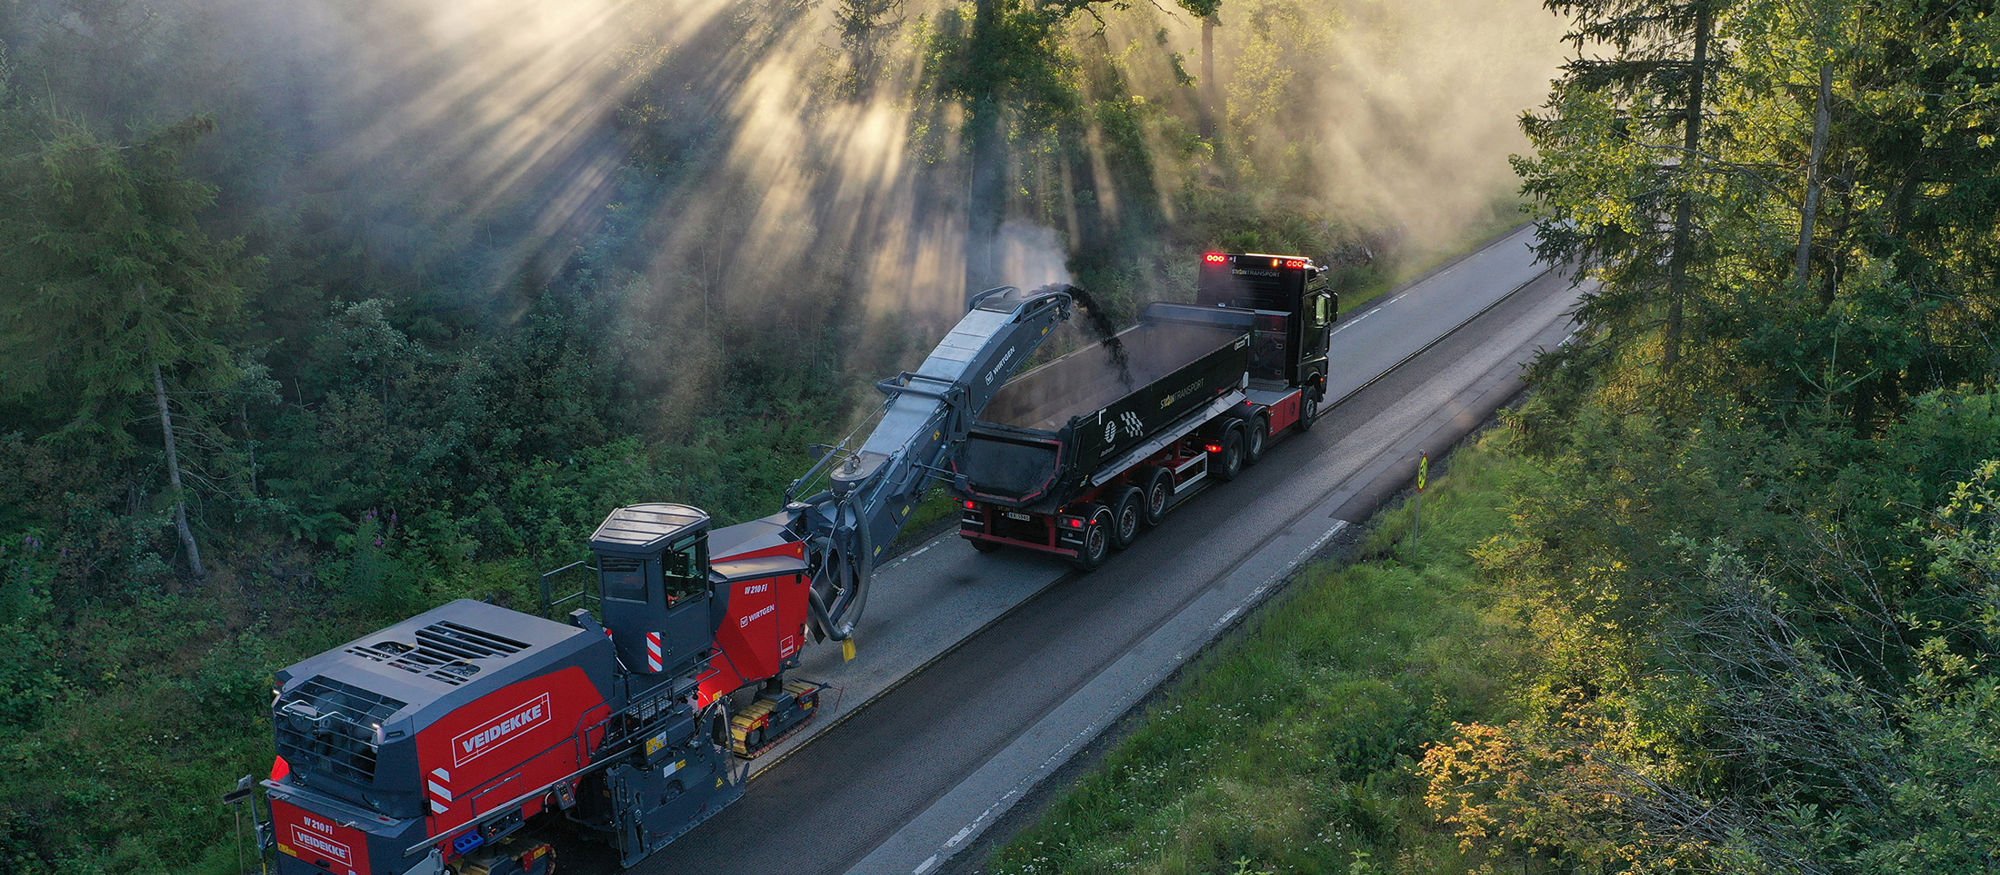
x: 1353, y: 322
x: 1093, y: 728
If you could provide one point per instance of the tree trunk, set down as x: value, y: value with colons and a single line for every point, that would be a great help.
x: 1684, y: 212
x: 174, y: 476
x: 986, y: 195
x: 1822, y: 120
x: 1209, y: 87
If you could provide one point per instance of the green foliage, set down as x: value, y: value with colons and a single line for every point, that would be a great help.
x: 1292, y: 748
x: 28, y: 633
x: 113, y: 275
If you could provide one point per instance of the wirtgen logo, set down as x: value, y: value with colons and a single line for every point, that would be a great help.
x: 511, y: 724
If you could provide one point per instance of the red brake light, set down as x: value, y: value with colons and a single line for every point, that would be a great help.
x: 971, y: 505
x: 1215, y: 258
x: 1215, y: 448
x: 1076, y: 522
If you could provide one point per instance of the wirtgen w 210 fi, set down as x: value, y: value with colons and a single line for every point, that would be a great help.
x: 425, y: 748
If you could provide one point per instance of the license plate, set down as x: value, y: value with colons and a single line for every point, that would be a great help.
x: 1019, y: 516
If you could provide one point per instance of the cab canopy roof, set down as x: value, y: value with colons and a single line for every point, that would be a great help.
x: 645, y: 529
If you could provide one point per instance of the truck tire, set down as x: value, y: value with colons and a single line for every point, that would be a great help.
x: 1229, y: 462
x: 1309, y: 408
x: 1096, y: 539
x: 1128, y: 517
x: 1257, y: 432
x: 1159, y: 491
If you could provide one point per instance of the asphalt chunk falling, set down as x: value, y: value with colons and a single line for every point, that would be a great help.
x: 1098, y: 323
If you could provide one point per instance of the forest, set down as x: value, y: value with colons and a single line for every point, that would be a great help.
x: 315, y: 315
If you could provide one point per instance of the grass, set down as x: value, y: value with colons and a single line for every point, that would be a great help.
x: 1291, y: 747
x: 1502, y: 217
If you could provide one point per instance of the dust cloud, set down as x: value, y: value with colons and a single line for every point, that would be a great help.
x: 1394, y: 118
x: 770, y: 160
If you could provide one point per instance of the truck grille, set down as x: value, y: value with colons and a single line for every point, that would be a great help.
x: 331, y: 725
x: 442, y: 651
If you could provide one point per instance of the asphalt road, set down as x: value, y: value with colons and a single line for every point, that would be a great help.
x: 980, y: 675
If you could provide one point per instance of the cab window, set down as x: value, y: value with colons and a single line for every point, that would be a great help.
x: 684, y: 569
x: 1322, y: 311
x: 623, y: 578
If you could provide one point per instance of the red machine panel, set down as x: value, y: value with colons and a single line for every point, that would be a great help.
x: 318, y: 840
x: 507, y: 743
x: 1285, y: 413
x: 764, y: 627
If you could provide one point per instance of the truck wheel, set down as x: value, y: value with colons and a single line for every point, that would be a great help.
x: 1258, y: 430
x: 1159, y: 489
x: 1127, y: 515
x: 1308, y: 410
x: 1231, y: 461
x: 1096, y: 540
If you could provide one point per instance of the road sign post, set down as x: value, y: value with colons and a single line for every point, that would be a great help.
x: 1417, y: 511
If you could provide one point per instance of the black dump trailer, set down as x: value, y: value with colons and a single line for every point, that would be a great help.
x: 1078, y: 457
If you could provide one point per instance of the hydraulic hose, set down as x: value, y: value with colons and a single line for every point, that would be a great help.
x: 847, y: 569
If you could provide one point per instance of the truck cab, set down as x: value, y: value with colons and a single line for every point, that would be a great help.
x: 1295, y: 308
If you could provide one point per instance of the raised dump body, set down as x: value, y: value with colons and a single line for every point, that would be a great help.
x: 1079, y: 456
x: 1051, y: 430
x: 1046, y: 433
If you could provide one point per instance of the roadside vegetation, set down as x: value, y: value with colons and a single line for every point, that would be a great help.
x: 1294, y: 746
x: 1744, y: 614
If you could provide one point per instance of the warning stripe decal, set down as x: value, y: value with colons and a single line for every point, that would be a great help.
x: 439, y: 791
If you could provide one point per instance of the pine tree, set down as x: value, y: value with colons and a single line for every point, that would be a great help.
x: 115, y: 296
x: 1620, y: 153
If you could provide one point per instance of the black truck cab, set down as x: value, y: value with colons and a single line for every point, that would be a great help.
x: 1295, y: 308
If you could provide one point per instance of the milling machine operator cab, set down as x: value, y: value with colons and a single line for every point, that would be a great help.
x: 653, y: 576
x: 1295, y: 305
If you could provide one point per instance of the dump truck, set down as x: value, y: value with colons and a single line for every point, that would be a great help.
x: 1080, y: 456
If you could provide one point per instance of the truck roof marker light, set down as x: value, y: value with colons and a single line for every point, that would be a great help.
x: 1295, y: 264
x: 1215, y: 258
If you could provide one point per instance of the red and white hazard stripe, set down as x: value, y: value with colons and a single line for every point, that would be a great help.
x: 653, y: 650
x: 440, y: 790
